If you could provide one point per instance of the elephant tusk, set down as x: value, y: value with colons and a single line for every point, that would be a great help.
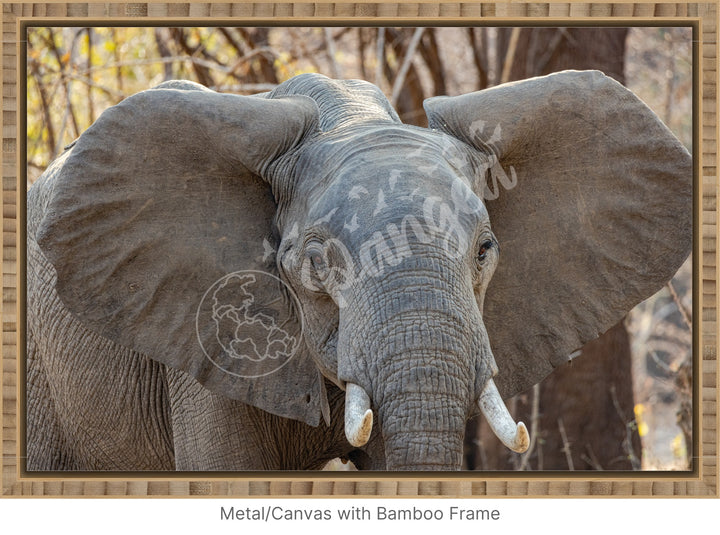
x: 358, y: 415
x: 514, y: 436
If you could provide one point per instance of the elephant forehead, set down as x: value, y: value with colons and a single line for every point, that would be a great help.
x: 366, y: 151
x: 394, y: 177
x: 400, y: 206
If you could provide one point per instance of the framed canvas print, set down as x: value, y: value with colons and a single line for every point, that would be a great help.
x: 442, y: 252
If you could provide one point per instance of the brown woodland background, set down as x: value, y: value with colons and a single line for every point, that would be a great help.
x: 625, y: 401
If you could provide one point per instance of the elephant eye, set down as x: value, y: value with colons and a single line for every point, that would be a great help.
x: 484, y: 248
x: 314, y: 268
x: 317, y: 259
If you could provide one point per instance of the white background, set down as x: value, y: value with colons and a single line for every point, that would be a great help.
x: 601, y: 516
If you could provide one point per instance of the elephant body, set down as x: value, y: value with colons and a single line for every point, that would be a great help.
x: 266, y: 283
x: 90, y: 412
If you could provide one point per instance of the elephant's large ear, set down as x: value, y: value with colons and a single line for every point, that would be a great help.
x: 593, y: 211
x: 158, y: 201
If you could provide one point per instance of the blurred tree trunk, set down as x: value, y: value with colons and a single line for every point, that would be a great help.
x: 182, y: 38
x: 259, y: 38
x: 544, y: 50
x: 585, y: 419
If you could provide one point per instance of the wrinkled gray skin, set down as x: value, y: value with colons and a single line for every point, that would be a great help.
x: 318, y: 182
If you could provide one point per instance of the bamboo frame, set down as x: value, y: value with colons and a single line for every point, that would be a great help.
x: 701, y: 482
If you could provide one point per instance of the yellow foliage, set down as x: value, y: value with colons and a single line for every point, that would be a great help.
x: 639, y: 411
x: 678, y: 447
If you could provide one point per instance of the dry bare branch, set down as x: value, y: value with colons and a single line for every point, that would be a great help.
x: 331, y: 53
x: 683, y: 310
x: 480, y: 55
x: 116, y: 94
x: 629, y: 428
x: 380, y: 54
x: 591, y: 458
x: 44, y: 104
x: 164, y: 50
x: 566, y: 445
x: 90, y: 104
x: 405, y: 67
x: 200, y: 67
x: 430, y: 53
x: 510, y: 56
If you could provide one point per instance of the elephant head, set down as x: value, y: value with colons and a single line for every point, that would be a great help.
x: 310, y: 220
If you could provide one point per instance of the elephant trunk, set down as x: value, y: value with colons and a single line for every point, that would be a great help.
x: 422, y: 435
x: 410, y: 348
x: 422, y: 391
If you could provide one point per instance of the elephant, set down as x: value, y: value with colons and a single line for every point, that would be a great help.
x: 219, y: 282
